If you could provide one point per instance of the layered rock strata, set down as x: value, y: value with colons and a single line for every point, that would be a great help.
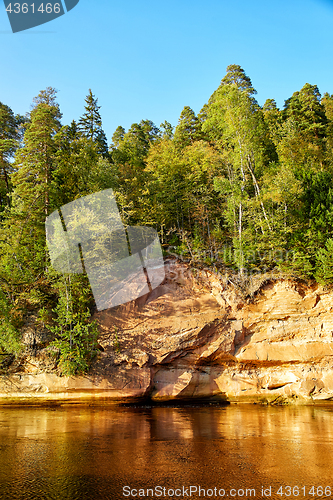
x: 196, y: 336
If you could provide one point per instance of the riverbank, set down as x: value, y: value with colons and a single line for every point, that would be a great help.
x: 197, y: 336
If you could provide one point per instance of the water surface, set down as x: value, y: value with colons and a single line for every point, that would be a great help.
x: 93, y: 453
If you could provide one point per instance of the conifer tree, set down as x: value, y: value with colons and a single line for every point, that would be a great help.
x: 35, y: 161
x: 24, y: 253
x: 188, y: 129
x: 9, y: 136
x: 236, y: 76
x: 117, y: 137
x: 327, y: 102
x: 166, y: 130
x: 90, y: 124
x: 129, y: 153
x: 273, y: 120
x: 303, y: 143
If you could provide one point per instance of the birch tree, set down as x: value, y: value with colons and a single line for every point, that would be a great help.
x: 235, y: 122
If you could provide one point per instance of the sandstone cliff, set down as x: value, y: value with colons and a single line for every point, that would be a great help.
x: 196, y: 336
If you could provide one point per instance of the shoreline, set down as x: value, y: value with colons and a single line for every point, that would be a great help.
x: 52, y: 390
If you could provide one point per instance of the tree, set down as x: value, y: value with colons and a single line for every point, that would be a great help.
x: 181, y: 193
x: 235, y: 123
x: 324, y: 268
x: 76, y: 336
x: 273, y: 120
x: 35, y: 161
x: 303, y: 136
x: 48, y: 97
x: 9, y: 135
x: 128, y: 166
x: 118, y: 136
x: 236, y: 76
x: 166, y: 130
x: 302, y: 148
x: 90, y: 124
x: 327, y: 102
x: 80, y: 169
x: 188, y: 128
x: 23, y: 242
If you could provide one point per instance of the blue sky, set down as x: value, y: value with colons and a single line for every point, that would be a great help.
x: 149, y: 59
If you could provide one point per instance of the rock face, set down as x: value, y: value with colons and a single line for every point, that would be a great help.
x: 195, y: 336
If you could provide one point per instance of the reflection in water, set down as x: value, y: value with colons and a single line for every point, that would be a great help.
x: 85, y: 453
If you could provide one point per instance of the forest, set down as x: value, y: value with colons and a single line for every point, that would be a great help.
x: 242, y: 188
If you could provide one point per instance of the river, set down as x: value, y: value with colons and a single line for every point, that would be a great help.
x: 237, y: 451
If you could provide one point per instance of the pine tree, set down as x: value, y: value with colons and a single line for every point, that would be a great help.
x: 23, y: 247
x: 80, y: 168
x: 236, y: 76
x: 129, y: 153
x: 327, y: 102
x: 188, y: 129
x: 166, y: 130
x: 304, y: 130
x: 273, y: 120
x: 117, y: 137
x: 9, y: 135
x: 90, y: 124
x: 35, y: 161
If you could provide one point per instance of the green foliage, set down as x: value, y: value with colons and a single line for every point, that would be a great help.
x: 167, y: 130
x: 80, y: 169
x: 32, y: 180
x: 324, y: 268
x: 76, y: 334
x: 9, y: 141
x: 236, y: 77
x: 9, y: 335
x: 129, y: 153
x: 188, y: 129
x: 9, y: 338
x: 236, y: 123
x: 90, y: 124
x: 239, y: 185
x: 43, y: 316
x: 77, y: 343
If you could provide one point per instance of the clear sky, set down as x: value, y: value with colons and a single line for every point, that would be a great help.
x: 149, y: 59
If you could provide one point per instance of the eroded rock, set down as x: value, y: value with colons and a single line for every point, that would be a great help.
x: 197, y: 336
